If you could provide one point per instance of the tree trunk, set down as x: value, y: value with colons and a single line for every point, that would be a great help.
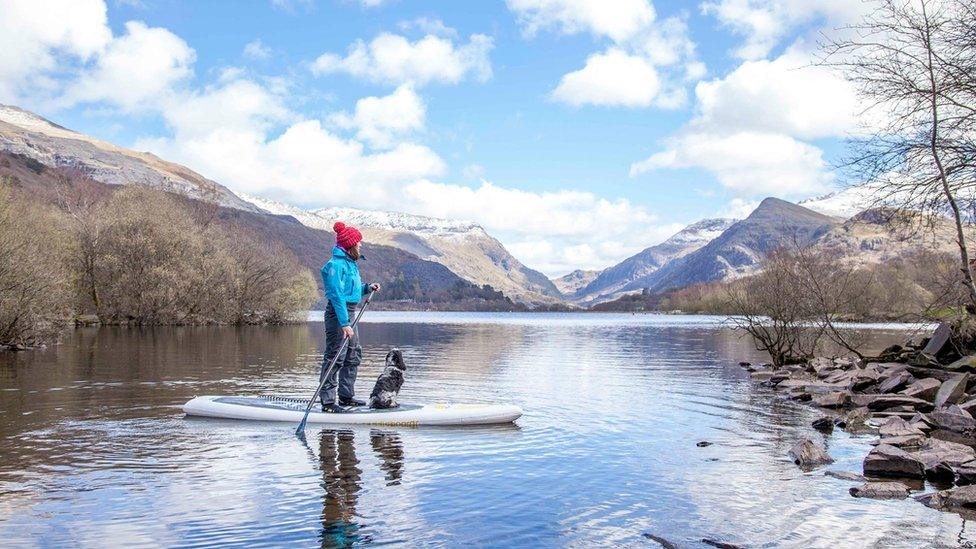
x: 967, y: 270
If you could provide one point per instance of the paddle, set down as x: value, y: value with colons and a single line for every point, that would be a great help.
x: 345, y: 341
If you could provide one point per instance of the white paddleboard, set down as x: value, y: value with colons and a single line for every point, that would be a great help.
x: 270, y: 408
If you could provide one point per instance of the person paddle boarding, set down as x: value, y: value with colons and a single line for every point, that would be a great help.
x: 343, y: 290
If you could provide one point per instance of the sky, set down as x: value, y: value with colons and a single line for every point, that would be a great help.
x: 577, y: 132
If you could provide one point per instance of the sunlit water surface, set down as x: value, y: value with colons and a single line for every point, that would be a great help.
x: 95, y: 451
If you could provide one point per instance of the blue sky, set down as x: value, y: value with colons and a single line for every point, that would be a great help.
x: 577, y: 131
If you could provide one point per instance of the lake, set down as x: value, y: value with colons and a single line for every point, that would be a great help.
x: 95, y: 451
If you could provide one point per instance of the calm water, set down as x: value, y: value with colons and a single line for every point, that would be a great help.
x: 95, y: 451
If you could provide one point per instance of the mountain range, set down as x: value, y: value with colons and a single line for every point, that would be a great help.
x: 463, y: 247
x: 428, y: 258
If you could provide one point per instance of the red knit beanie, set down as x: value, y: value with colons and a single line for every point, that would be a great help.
x: 346, y: 237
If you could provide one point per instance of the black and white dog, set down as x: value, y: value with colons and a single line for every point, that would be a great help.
x: 388, y: 384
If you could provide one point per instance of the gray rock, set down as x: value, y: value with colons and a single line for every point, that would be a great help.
x: 939, y: 456
x: 823, y: 424
x: 889, y: 461
x: 720, y: 544
x: 863, y: 377
x: 895, y: 382
x: 897, y: 427
x: 905, y: 442
x: 938, y: 340
x: 959, y: 498
x: 954, y: 418
x: 965, y: 473
x: 877, y: 402
x: 806, y: 454
x: 845, y: 475
x: 853, y: 421
x: 964, y: 364
x: 925, y: 389
x: 660, y: 541
x: 951, y: 390
x: 969, y: 406
x: 834, y: 399
x: 880, y: 490
x: 821, y: 365
x: 924, y: 360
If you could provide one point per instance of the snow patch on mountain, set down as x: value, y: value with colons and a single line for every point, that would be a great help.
x: 700, y: 232
x: 845, y: 203
x: 397, y: 221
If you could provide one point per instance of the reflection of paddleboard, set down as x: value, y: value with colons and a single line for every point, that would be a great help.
x: 269, y: 408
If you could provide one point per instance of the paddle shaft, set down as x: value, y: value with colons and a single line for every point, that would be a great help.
x: 335, y: 360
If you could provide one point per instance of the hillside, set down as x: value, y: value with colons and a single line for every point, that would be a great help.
x: 570, y: 283
x: 738, y: 251
x: 38, y: 156
x: 29, y: 135
x: 880, y: 235
x: 632, y: 273
x: 463, y: 247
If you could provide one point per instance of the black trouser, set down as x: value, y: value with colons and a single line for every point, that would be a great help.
x: 344, y: 373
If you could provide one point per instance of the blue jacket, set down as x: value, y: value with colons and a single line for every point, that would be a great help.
x: 340, y: 276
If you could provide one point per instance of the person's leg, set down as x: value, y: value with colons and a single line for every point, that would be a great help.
x: 333, y: 340
x: 350, y: 366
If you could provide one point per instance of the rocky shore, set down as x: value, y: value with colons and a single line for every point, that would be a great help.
x: 919, y: 399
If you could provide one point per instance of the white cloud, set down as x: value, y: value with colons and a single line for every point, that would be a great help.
x: 392, y: 59
x: 256, y: 49
x: 738, y: 208
x: 751, y: 163
x: 38, y: 36
x: 750, y: 126
x: 242, y: 133
x: 613, y: 78
x: 553, y: 231
x: 381, y: 120
x: 428, y: 25
x: 764, y: 23
x: 140, y: 66
x: 618, y: 20
x: 787, y: 95
x: 648, y: 63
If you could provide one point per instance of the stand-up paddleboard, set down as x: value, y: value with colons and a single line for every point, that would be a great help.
x: 271, y: 408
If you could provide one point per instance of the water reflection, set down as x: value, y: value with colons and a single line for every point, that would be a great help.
x: 93, y: 445
x: 342, y: 481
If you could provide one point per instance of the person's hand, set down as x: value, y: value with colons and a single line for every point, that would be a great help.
x: 347, y: 332
x: 374, y: 287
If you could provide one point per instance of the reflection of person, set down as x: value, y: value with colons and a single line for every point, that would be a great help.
x: 342, y: 480
x: 343, y: 290
x: 341, y: 476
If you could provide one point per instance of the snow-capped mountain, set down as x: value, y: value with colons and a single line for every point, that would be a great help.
x: 631, y: 273
x: 462, y: 246
x: 397, y: 221
x: 27, y: 134
x: 845, y: 203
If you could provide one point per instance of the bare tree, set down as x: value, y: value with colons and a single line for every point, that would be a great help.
x: 80, y: 199
x: 912, y: 62
x: 771, y: 306
x: 33, y: 284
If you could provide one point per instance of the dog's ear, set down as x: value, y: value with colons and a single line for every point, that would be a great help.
x: 398, y: 359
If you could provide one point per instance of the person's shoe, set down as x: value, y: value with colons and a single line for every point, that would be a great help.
x: 351, y: 402
x: 332, y: 408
